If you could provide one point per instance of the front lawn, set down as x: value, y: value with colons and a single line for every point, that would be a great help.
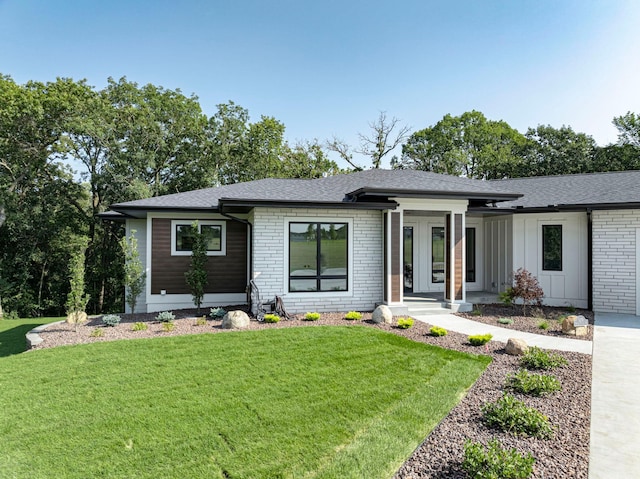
x: 295, y: 402
x: 13, y: 332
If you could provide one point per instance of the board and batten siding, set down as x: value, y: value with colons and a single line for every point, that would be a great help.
x: 561, y: 288
x: 498, y: 252
x: 226, y: 274
x: 270, y: 259
x: 140, y: 228
x: 616, y: 261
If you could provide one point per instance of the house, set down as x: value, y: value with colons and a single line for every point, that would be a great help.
x: 349, y: 242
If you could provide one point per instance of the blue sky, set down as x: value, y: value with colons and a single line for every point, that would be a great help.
x: 328, y: 67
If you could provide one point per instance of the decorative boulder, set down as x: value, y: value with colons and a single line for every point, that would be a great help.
x: 575, y: 325
x: 382, y: 314
x: 235, y: 320
x: 77, y: 317
x: 516, y: 347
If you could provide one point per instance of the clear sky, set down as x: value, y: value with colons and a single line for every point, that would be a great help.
x: 328, y: 67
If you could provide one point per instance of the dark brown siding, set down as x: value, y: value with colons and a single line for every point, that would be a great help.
x: 396, y: 277
x: 227, y: 274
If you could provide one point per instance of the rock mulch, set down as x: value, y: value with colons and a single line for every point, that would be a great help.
x: 566, y: 455
x: 490, y: 313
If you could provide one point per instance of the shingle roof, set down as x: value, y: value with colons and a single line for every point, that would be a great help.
x: 599, y: 189
x: 332, y: 189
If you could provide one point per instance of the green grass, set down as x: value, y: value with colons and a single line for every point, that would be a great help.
x: 319, y: 402
x: 13, y: 332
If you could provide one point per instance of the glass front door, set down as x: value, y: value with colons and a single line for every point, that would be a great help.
x: 408, y: 259
x: 437, y: 254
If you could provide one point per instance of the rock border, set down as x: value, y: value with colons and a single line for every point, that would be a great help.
x: 33, y: 337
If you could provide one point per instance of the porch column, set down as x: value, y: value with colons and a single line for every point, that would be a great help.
x: 454, y: 287
x: 393, y: 278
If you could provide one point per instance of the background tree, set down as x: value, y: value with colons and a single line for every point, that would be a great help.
x: 306, y: 160
x: 197, y: 277
x: 134, y: 274
x: 386, y: 134
x: 628, y: 126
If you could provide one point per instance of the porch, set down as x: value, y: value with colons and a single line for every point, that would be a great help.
x: 434, y: 302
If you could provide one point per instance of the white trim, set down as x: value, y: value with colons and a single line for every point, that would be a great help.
x: 158, y: 302
x: 637, y: 271
x: 464, y: 258
x: 387, y: 256
x: 319, y: 294
x: 186, y: 222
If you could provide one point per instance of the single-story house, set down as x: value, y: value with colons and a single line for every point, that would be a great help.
x: 351, y: 241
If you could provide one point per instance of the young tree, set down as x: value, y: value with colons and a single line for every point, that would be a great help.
x: 77, y: 299
x: 197, y: 277
x: 134, y: 274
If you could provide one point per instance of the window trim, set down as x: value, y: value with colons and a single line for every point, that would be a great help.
x: 223, y: 236
x: 555, y: 225
x: 350, y: 256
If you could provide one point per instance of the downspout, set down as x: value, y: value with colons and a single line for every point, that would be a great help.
x: 589, y: 260
x: 250, y: 227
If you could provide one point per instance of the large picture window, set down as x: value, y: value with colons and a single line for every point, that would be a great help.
x: 552, y: 247
x: 318, y: 256
x: 182, y: 237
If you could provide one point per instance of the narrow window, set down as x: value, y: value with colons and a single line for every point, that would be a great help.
x: 318, y: 257
x: 184, y: 238
x: 212, y: 236
x: 437, y: 254
x: 470, y: 235
x: 408, y: 259
x: 552, y: 247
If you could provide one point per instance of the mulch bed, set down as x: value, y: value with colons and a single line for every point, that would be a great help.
x: 551, y: 316
x: 566, y: 455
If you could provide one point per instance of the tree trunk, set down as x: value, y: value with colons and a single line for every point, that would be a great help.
x: 42, y: 275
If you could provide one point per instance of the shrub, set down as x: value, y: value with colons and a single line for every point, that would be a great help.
x: 353, y: 316
x: 532, y: 384
x: 217, y: 313
x: 536, y: 358
x: 139, y: 326
x: 111, y: 320
x: 494, y: 462
x: 477, y: 310
x: 312, y: 316
x: 201, y: 321
x: 505, y: 320
x: 168, y: 326
x: 480, y: 339
x: 510, y: 415
x: 437, y: 331
x: 506, y: 297
x: 526, y: 288
x: 97, y: 333
x: 543, y: 324
x: 271, y: 318
x: 165, y: 316
x: 405, y: 323
x: 571, y: 309
x: 11, y: 315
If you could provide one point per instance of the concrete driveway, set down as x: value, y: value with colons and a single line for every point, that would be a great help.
x: 615, y: 397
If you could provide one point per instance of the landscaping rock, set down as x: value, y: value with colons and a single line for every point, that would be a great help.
x: 78, y: 317
x: 382, y: 314
x: 516, y: 347
x: 235, y: 320
x: 575, y: 325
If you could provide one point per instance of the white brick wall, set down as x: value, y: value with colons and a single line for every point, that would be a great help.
x: 365, y: 266
x: 614, y: 260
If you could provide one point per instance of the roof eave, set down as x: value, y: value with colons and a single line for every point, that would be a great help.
x: 407, y: 193
x: 248, y: 203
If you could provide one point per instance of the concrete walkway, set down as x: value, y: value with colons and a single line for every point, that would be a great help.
x: 465, y: 326
x: 615, y: 398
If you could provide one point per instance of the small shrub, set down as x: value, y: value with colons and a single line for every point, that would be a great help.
x: 510, y: 415
x: 201, y: 321
x: 480, y: 339
x: 477, y: 310
x: 526, y: 288
x: 217, y: 313
x: 494, y: 462
x: 532, y: 384
x: 139, y: 326
x: 437, y: 331
x: 544, y: 324
x: 165, y: 316
x: 571, y: 309
x: 538, y: 313
x: 505, y: 320
x: 536, y: 358
x: 271, y: 318
x: 168, y: 326
x: 353, y: 316
x: 562, y: 317
x: 506, y: 297
x: 97, y: 333
x: 405, y: 323
x: 312, y: 316
x: 12, y: 315
x: 111, y: 320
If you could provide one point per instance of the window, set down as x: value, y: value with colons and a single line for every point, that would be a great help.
x: 318, y: 256
x: 470, y: 235
x: 182, y: 238
x: 437, y: 254
x: 552, y: 247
